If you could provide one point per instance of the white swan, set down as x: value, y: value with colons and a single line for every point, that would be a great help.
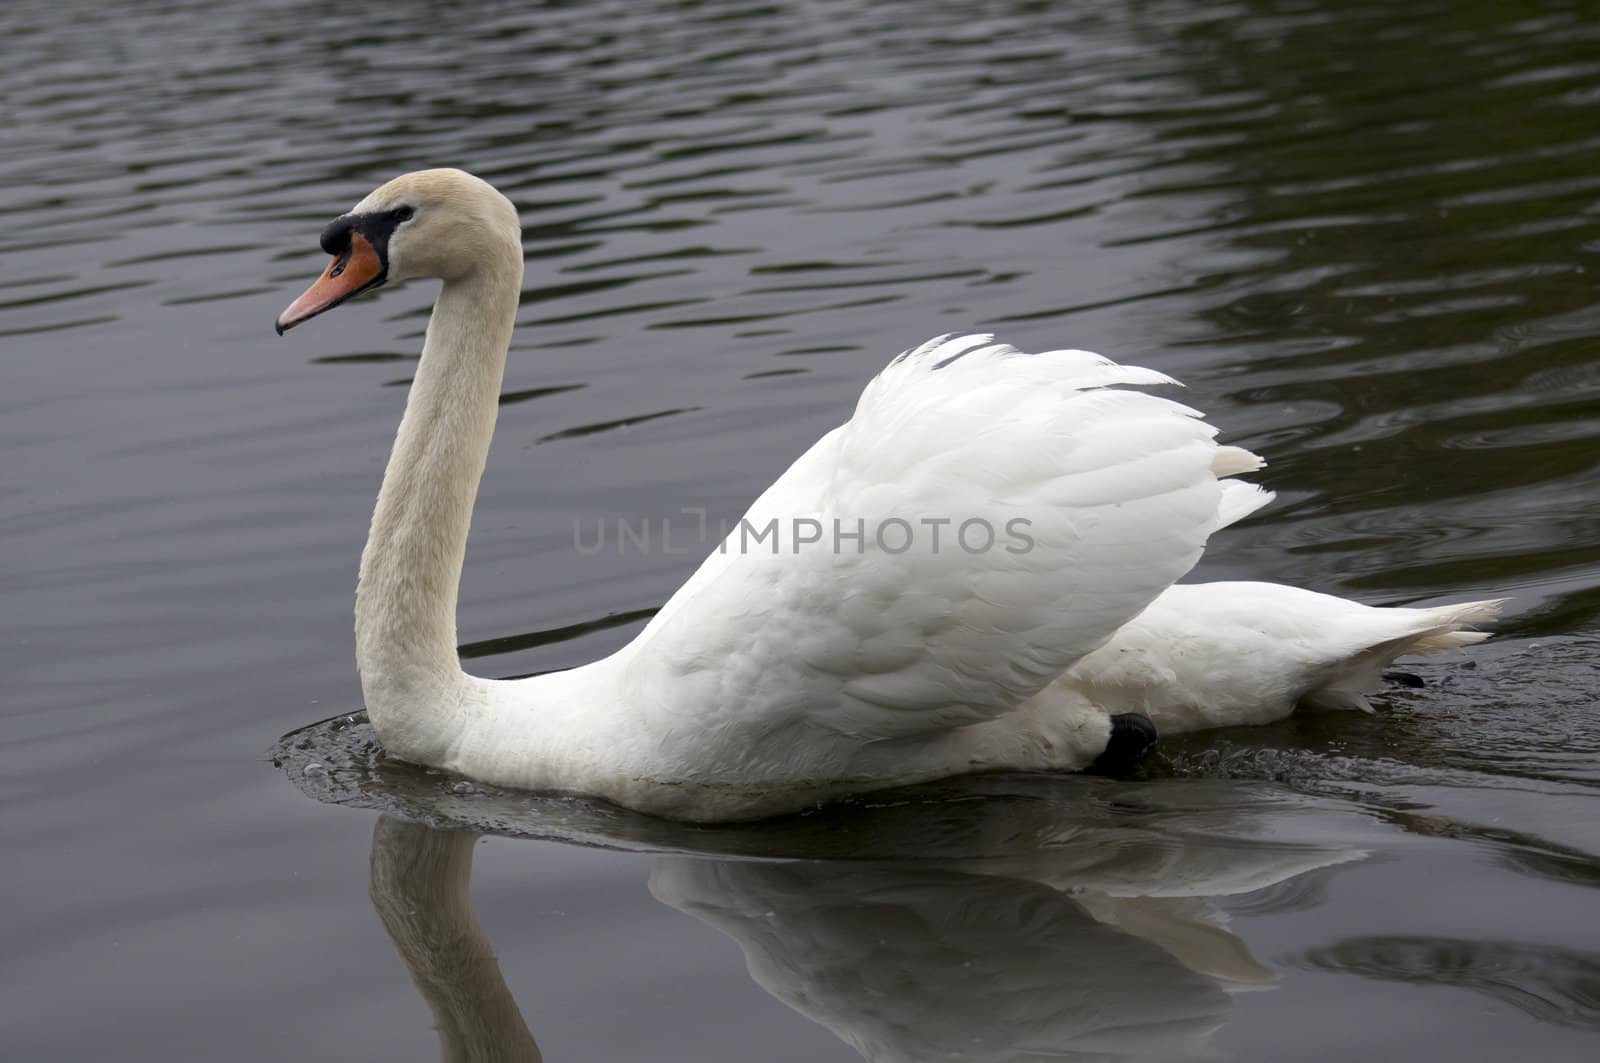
x: 785, y: 671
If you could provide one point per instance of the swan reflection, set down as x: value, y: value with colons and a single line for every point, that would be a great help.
x: 1071, y: 958
x: 419, y: 886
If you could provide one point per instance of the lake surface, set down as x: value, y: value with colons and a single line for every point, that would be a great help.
x: 1366, y: 241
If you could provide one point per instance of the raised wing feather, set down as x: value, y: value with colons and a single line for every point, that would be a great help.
x: 986, y: 518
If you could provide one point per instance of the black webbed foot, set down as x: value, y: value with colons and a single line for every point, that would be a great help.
x: 1405, y: 679
x: 1133, y: 736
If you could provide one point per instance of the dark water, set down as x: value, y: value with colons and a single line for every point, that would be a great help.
x: 1366, y: 240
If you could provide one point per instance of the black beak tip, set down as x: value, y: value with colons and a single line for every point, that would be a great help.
x: 1133, y: 736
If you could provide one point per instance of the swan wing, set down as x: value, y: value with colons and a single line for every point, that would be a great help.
x: 986, y: 518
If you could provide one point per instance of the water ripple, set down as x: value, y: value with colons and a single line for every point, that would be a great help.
x: 1550, y: 983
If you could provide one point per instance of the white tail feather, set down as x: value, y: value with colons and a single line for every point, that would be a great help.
x: 1447, y: 633
x: 1231, y: 461
x: 1239, y: 500
x: 1433, y: 630
x: 1448, y: 640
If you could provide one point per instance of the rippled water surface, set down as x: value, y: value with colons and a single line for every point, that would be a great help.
x: 1365, y: 240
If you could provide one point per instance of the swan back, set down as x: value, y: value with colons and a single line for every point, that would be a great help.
x: 1000, y: 515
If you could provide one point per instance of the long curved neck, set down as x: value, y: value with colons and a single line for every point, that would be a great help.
x: 411, y: 568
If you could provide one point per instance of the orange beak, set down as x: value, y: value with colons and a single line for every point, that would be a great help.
x: 351, y: 273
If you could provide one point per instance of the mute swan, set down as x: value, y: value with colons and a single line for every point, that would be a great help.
x: 835, y: 642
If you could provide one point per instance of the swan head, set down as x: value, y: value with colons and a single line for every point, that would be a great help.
x: 429, y: 223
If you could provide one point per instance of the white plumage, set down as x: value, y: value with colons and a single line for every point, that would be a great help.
x: 1112, y: 489
x: 974, y: 572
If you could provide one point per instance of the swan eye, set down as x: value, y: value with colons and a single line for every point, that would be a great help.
x: 403, y: 214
